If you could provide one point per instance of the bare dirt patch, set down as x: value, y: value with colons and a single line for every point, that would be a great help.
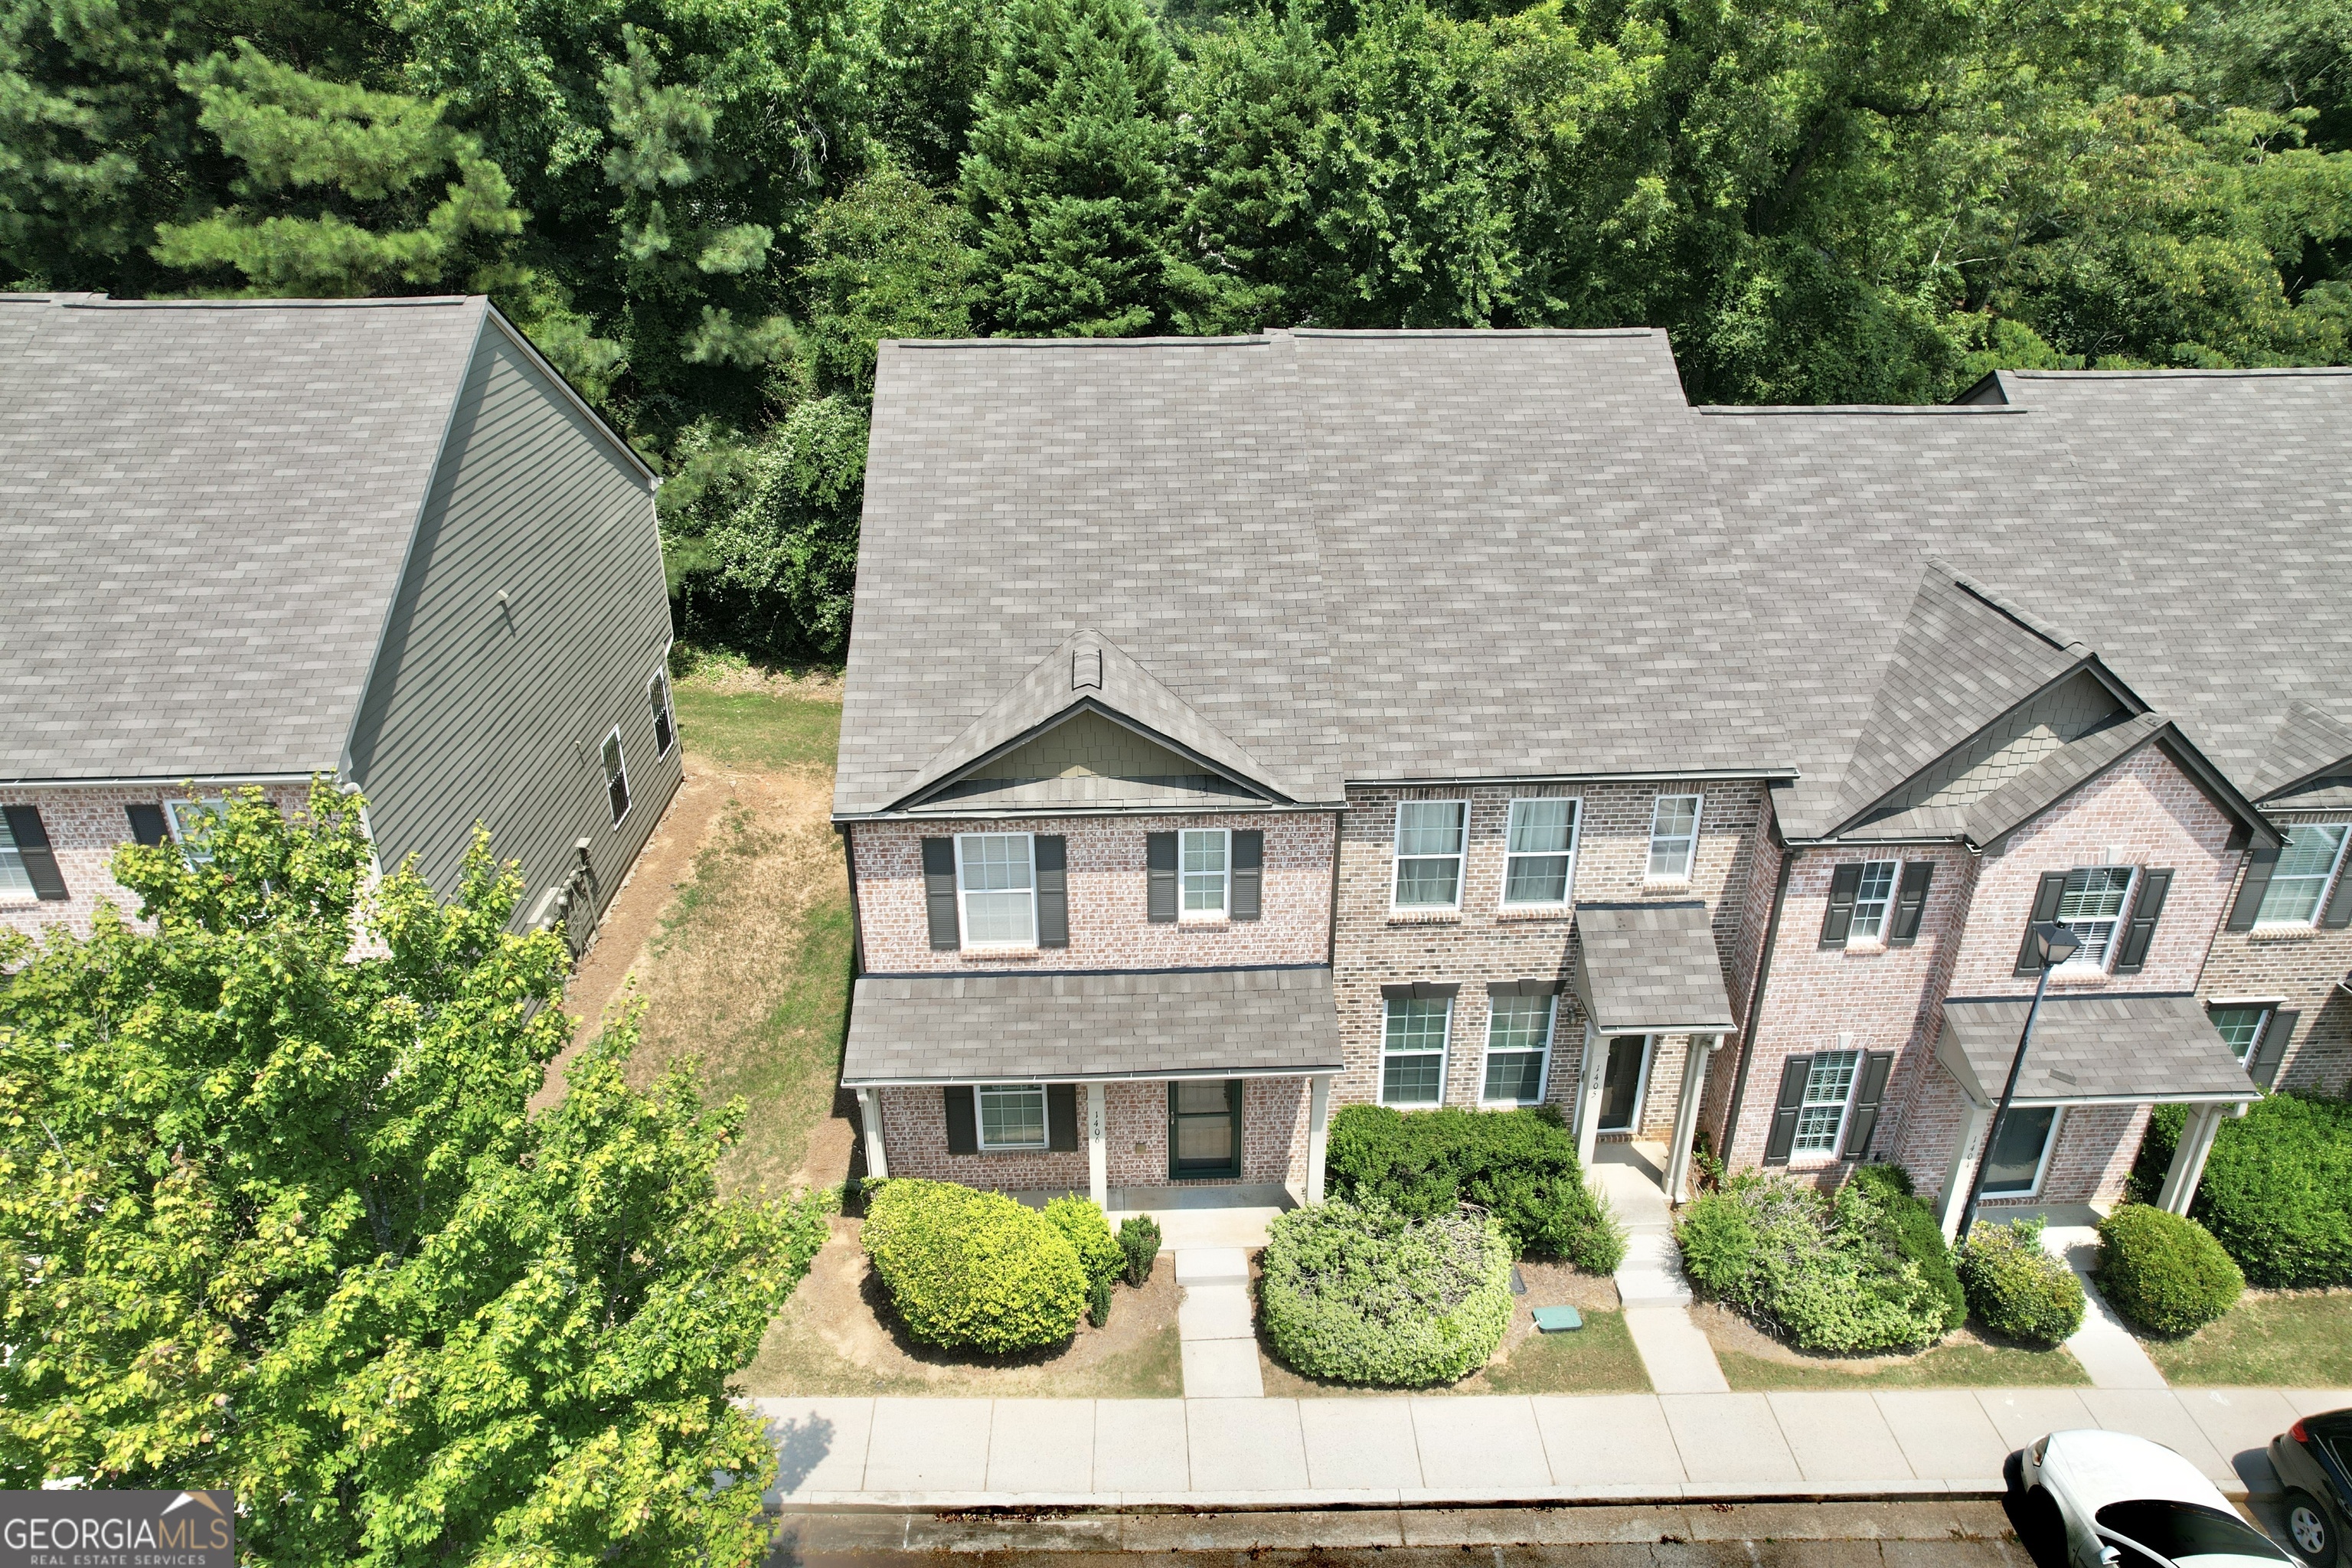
x: 838, y: 1335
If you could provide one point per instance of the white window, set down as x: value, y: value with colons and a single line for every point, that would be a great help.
x: 2093, y: 904
x: 1872, y: 897
x: 1673, y: 837
x: 1412, y: 1053
x: 1429, y: 837
x: 1539, y: 853
x: 1820, y: 1119
x: 616, y: 775
x: 192, y: 824
x: 2306, y: 864
x: 1205, y: 858
x: 1518, y: 1049
x: 1012, y: 1115
x: 2241, y: 1027
x: 16, y: 882
x: 665, y: 718
x: 2014, y: 1166
x: 996, y: 874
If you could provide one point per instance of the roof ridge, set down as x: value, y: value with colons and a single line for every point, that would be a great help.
x: 2055, y: 637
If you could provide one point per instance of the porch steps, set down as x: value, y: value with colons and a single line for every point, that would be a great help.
x: 1652, y: 1274
x: 1216, y: 1324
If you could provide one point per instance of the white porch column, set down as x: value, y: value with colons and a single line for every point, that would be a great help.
x: 1973, y: 1121
x: 1588, y: 1098
x: 1678, y: 1158
x: 1098, y: 1149
x: 869, y: 1112
x: 2188, y: 1167
x: 1318, y: 1133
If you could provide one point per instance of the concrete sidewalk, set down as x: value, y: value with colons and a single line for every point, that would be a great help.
x: 1403, y: 1450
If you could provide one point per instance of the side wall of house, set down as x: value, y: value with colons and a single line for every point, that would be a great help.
x: 2300, y: 968
x: 86, y: 826
x: 529, y: 625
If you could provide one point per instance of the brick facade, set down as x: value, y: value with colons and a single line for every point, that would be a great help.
x: 1135, y: 1137
x: 1110, y: 926
x: 86, y: 826
x: 2299, y: 968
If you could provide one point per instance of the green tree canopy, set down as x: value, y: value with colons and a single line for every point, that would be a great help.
x: 274, y: 1216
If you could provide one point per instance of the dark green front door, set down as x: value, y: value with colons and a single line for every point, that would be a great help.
x: 1205, y: 1129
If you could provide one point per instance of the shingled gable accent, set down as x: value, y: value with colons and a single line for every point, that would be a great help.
x: 1088, y: 673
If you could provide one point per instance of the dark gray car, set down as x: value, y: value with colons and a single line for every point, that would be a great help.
x: 2313, y: 1459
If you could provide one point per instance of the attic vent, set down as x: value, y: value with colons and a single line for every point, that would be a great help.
x: 1086, y: 669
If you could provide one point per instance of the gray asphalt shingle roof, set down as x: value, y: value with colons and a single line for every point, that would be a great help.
x: 1645, y: 969
x: 1397, y: 556
x: 208, y: 504
x: 1062, y: 1027
x: 2092, y: 1048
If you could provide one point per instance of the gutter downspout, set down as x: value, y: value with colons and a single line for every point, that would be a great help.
x: 1756, y: 1001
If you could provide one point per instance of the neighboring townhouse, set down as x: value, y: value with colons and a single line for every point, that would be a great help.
x: 1240, y: 728
x: 380, y: 541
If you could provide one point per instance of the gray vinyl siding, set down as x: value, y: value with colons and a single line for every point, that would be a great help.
x: 498, y: 714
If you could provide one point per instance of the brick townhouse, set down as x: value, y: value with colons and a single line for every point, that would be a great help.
x: 380, y: 541
x: 1240, y: 728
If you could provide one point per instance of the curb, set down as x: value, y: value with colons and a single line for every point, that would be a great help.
x: 1636, y: 1494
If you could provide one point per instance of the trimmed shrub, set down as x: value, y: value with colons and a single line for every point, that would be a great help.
x: 1917, y: 1235
x: 2016, y: 1289
x: 971, y: 1268
x: 1831, y: 1274
x: 1369, y: 1295
x: 1089, y: 1233
x: 2165, y: 1273
x: 2277, y: 1192
x: 1098, y: 1300
x: 1520, y: 1166
x: 1139, y: 1238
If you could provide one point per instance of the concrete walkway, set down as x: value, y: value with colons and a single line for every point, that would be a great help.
x: 1217, y: 1325
x: 2107, y: 1349
x: 1650, y: 1282
x: 1405, y: 1450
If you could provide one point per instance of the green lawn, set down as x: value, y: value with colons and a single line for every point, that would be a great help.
x: 757, y: 730
x: 1597, y: 1358
x: 2299, y: 1339
x: 1947, y: 1366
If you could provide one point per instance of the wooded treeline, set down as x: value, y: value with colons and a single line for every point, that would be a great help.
x: 706, y: 212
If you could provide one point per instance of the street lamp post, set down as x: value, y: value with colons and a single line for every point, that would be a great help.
x: 2055, y: 943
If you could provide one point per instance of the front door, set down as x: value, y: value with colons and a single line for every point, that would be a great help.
x: 1620, y: 1082
x: 1205, y: 1129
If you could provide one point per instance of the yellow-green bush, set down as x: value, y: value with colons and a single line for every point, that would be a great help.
x: 1090, y: 1235
x: 966, y: 1267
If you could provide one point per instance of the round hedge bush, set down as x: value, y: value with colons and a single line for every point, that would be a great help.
x: 1367, y: 1295
x: 2015, y: 1288
x: 967, y: 1268
x: 2165, y: 1273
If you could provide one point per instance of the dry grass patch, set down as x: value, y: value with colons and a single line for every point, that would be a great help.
x: 838, y: 1335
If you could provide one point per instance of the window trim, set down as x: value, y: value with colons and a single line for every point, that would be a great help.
x: 1397, y: 858
x: 8, y: 895
x: 621, y: 756
x: 2326, y: 882
x: 1836, y: 1150
x: 1445, y: 1055
x: 1224, y: 910
x: 1543, y: 1074
x: 215, y: 804
x: 963, y: 924
x: 1641, y: 1085
x: 1877, y: 938
x: 1566, y: 900
x: 2121, y: 923
x: 980, y: 1119
x: 2267, y: 1006
x: 2040, y: 1169
x: 1690, y: 870
x: 666, y: 711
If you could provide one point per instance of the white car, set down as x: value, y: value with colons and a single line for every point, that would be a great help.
x: 2126, y: 1503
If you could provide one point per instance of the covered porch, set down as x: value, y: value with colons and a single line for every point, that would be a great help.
x: 1645, y: 972
x: 2089, y: 1054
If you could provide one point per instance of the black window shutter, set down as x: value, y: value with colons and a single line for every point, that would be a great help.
x: 1053, y: 890
x: 146, y: 824
x: 2133, y: 956
x: 2258, y: 867
x: 2339, y: 904
x: 1160, y: 860
x: 1843, y: 885
x: 1868, y: 1095
x: 2045, y: 908
x: 1062, y: 1116
x: 33, y: 849
x: 1249, y: 861
x: 1793, y: 1073
x: 1911, y: 903
x: 939, y: 895
x: 963, y: 1120
x: 2270, y: 1049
